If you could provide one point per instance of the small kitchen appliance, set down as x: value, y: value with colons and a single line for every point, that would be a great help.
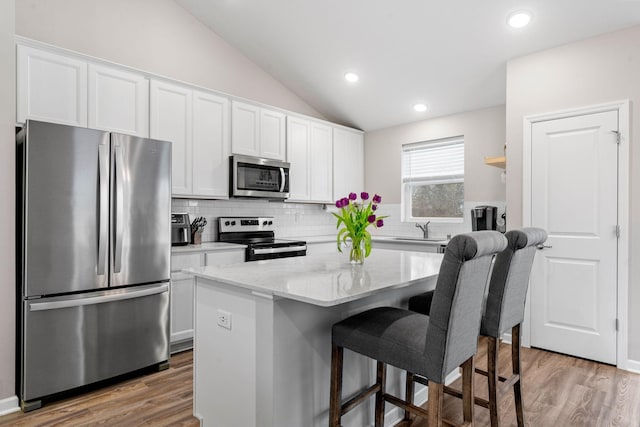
x: 257, y: 233
x: 256, y: 177
x: 180, y: 229
x: 484, y: 218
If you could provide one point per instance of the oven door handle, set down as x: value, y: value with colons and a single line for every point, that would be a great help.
x: 279, y: 250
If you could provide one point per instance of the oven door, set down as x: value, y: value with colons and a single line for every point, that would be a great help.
x: 255, y: 177
x: 258, y: 252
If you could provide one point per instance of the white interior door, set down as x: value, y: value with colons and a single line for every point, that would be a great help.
x: 574, y: 167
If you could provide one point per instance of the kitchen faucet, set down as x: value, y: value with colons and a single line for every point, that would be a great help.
x: 425, y: 229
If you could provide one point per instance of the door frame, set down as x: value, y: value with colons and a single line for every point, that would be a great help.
x: 622, y: 107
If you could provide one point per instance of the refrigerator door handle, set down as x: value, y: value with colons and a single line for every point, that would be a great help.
x: 119, y: 208
x: 103, y: 207
x: 117, y: 296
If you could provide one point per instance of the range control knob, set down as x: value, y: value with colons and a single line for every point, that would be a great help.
x: 270, y: 222
x: 233, y: 223
x: 226, y: 223
x: 264, y: 223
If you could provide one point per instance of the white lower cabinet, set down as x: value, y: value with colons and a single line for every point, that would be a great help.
x: 182, y: 285
x: 404, y: 246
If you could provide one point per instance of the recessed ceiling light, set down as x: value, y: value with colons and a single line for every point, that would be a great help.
x: 351, y: 77
x: 420, y: 108
x: 519, y: 19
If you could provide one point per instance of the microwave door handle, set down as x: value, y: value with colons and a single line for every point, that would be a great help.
x: 282, y: 180
x: 103, y: 206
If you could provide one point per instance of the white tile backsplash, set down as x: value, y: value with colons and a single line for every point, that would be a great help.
x: 295, y: 219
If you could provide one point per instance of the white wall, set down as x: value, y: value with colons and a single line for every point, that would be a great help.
x: 157, y: 36
x: 484, y: 135
x: 593, y: 71
x: 7, y: 200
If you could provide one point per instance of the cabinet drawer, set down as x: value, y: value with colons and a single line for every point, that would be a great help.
x: 182, y: 261
x: 220, y: 258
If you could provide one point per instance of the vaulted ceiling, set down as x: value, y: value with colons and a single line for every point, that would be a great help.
x: 449, y: 55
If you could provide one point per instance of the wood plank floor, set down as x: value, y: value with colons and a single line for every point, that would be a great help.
x: 558, y: 391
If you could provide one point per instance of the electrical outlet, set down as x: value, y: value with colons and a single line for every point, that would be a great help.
x: 224, y: 319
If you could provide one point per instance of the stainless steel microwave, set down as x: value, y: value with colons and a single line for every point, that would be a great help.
x: 256, y: 177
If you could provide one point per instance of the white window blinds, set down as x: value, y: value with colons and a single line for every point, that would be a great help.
x: 433, y: 162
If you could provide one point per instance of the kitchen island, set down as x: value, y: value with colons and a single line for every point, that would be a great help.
x: 263, y: 334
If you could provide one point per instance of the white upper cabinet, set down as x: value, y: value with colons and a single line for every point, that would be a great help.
x: 197, y: 125
x: 51, y: 87
x: 272, y: 134
x: 310, y: 153
x: 171, y: 118
x: 257, y: 131
x: 118, y: 101
x: 298, y: 155
x: 321, y: 163
x: 210, y: 145
x: 348, y: 162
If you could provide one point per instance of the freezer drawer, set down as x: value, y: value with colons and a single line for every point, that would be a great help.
x: 73, y: 341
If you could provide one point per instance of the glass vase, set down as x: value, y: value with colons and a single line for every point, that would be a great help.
x: 357, y: 252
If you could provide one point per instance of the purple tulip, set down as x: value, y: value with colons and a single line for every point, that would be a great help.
x: 338, y: 203
x: 364, y: 195
x: 371, y: 218
x: 353, y: 196
x: 379, y: 223
x: 377, y: 199
x: 374, y: 207
x: 345, y: 202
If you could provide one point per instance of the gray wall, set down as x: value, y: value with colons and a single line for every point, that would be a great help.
x: 157, y: 36
x: 7, y: 184
x: 589, y: 72
x: 484, y: 135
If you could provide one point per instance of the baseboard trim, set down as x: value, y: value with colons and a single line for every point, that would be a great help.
x: 633, y: 366
x: 9, y: 405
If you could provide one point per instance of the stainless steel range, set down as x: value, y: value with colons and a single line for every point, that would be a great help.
x: 257, y: 233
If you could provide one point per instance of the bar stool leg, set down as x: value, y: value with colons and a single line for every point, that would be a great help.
x: 468, y: 392
x: 436, y: 397
x: 336, y: 386
x: 408, y: 395
x: 381, y: 379
x: 492, y: 379
x: 515, y: 361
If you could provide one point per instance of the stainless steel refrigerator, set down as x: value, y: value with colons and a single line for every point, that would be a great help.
x: 94, y: 236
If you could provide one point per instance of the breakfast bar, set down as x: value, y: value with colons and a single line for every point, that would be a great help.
x: 263, y: 334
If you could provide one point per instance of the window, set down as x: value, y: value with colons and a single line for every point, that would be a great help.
x: 433, y: 180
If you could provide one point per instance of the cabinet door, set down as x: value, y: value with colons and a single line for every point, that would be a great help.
x: 210, y: 145
x: 321, y: 163
x: 51, y: 88
x: 181, y: 307
x: 171, y: 117
x: 118, y: 101
x: 348, y: 162
x: 272, y: 134
x: 245, y: 129
x: 298, y: 156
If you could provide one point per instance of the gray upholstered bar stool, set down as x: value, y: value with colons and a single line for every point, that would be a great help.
x: 504, y: 310
x: 431, y: 346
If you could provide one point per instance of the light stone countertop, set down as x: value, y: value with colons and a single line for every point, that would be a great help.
x: 374, y: 238
x: 207, y: 247
x: 327, y: 279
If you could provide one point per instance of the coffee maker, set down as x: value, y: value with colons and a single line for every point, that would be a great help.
x: 484, y: 218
